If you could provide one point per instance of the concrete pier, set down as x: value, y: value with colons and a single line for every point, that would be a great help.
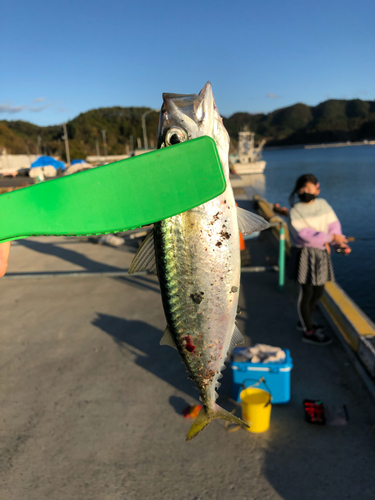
x: 91, y: 404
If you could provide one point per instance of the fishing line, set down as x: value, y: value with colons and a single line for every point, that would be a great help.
x: 351, y: 238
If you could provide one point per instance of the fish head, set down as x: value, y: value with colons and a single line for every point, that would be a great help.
x: 189, y: 116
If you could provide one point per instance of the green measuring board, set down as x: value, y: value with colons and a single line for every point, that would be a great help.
x: 116, y: 197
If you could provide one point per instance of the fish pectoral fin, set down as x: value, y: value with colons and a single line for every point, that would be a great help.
x: 248, y: 222
x: 237, y: 338
x: 167, y: 338
x: 144, y: 259
x: 205, y: 417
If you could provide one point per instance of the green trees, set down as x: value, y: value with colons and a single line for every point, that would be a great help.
x: 329, y: 121
x: 332, y: 120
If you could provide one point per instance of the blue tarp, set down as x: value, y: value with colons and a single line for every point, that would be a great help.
x: 74, y: 162
x: 45, y: 161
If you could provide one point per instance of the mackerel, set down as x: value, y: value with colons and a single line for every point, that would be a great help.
x: 196, y: 256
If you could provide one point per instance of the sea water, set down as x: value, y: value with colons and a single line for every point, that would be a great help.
x: 347, y: 180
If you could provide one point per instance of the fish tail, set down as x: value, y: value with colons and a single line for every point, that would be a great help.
x: 206, y: 415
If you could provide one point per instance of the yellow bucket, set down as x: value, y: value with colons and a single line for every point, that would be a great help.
x: 256, y: 409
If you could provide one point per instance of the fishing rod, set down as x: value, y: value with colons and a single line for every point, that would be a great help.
x: 352, y: 238
x: 347, y: 250
x: 285, y: 212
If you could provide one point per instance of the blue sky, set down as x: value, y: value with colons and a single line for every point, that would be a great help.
x: 59, y: 59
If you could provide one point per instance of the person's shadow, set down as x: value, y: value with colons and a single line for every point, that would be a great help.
x: 142, y: 341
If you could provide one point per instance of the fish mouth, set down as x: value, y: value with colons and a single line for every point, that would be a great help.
x: 180, y: 100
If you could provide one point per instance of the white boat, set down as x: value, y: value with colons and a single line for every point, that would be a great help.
x: 248, y: 160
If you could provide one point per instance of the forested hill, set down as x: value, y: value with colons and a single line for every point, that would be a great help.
x: 122, y: 127
x: 331, y: 121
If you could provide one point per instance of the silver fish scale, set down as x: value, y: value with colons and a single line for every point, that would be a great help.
x: 198, y: 261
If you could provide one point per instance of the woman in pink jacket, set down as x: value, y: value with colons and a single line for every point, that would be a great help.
x: 313, y: 227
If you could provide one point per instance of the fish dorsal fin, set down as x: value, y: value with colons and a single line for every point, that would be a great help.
x: 237, y: 338
x: 144, y: 259
x: 167, y: 338
x: 248, y: 222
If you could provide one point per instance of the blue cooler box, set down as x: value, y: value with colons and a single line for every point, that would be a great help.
x: 276, y: 375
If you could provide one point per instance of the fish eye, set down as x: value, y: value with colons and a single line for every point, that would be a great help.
x: 175, y: 135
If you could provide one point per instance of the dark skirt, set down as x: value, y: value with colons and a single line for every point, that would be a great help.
x: 310, y: 266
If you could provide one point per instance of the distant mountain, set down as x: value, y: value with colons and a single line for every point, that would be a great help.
x: 331, y: 121
x: 122, y: 128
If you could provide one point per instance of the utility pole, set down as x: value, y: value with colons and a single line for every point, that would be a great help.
x: 66, y: 144
x: 38, y: 145
x: 145, y: 141
x: 97, y: 148
x: 104, y: 142
x: 131, y: 144
x: 60, y: 148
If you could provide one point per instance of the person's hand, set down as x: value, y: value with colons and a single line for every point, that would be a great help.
x: 4, y: 256
x: 339, y: 239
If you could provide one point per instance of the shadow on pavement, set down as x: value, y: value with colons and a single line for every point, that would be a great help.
x: 178, y: 404
x: 142, y: 340
x: 140, y: 282
x: 303, y: 461
x: 77, y: 258
x: 72, y: 256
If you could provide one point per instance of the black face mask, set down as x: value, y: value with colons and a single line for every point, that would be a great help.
x: 306, y: 197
